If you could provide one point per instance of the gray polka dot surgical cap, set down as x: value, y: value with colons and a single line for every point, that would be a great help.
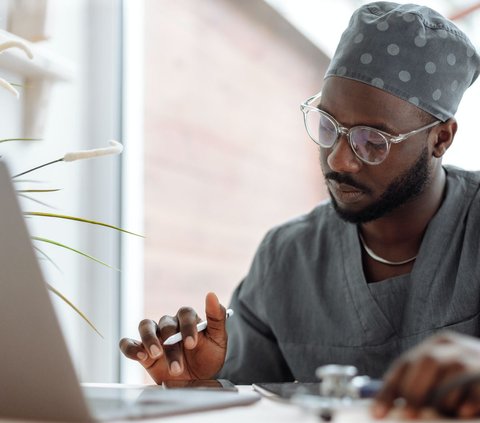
x: 409, y: 51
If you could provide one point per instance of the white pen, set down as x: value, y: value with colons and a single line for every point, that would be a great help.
x: 171, y: 340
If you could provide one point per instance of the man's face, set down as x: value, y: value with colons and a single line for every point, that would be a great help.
x: 362, y: 192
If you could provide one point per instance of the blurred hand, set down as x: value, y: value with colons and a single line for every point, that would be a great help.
x: 442, y: 372
x: 200, y: 355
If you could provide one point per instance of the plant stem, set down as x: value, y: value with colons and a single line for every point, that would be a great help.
x: 20, y: 139
x: 38, y: 167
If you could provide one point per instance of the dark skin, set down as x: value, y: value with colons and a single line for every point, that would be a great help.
x: 448, y: 360
x: 197, y: 356
x: 398, y: 235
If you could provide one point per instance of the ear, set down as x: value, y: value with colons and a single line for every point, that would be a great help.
x: 443, y: 137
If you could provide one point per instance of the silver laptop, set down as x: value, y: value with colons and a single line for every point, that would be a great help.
x: 37, y: 377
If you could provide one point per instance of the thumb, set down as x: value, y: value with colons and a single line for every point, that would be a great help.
x: 216, y: 318
x: 385, y: 398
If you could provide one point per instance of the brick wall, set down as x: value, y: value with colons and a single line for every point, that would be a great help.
x: 226, y: 153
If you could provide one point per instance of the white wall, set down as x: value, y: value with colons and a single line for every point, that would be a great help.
x: 465, y: 149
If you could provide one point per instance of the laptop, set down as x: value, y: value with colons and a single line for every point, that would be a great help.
x: 37, y: 377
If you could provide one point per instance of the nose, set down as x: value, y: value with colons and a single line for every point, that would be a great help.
x: 341, y: 158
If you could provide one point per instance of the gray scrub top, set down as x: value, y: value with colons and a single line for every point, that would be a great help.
x: 305, y: 301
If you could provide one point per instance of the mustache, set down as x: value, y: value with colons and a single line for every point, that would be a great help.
x: 343, y: 178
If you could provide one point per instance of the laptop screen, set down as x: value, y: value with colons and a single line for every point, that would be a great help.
x: 38, y: 378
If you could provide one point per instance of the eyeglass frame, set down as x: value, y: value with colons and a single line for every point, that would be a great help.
x: 305, y: 107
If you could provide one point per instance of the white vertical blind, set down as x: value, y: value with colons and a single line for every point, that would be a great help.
x: 131, y: 305
x: 81, y: 113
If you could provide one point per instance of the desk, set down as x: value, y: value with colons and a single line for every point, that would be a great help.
x: 267, y: 410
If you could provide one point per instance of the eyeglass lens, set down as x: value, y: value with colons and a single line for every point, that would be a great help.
x: 368, y: 144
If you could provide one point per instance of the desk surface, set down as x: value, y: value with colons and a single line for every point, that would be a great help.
x: 268, y: 410
x: 265, y: 410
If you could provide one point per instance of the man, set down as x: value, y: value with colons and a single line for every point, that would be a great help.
x: 391, y: 259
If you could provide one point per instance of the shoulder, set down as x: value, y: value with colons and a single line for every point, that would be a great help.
x: 463, y: 184
x: 283, y: 257
x: 457, y: 175
x: 301, y: 231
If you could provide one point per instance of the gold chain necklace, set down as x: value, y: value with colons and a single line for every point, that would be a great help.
x: 381, y: 259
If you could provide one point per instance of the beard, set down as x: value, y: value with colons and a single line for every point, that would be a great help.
x: 402, y: 189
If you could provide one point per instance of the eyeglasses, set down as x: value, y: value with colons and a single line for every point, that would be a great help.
x: 370, y: 145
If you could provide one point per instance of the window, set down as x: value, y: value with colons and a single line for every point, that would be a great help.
x: 78, y: 108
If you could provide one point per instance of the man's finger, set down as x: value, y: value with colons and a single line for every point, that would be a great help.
x: 148, y: 332
x: 454, y: 389
x: 454, y: 397
x: 422, y: 377
x: 385, y: 399
x: 187, y: 321
x: 167, y: 326
x: 470, y: 407
x: 216, y: 317
x: 133, y: 350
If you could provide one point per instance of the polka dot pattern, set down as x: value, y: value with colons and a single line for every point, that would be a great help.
x: 430, y: 67
x: 442, y: 33
x: 414, y: 100
x: 358, y: 38
x: 409, y: 51
x: 378, y: 82
x: 366, y: 58
x: 393, y: 49
x: 382, y: 26
x: 436, y: 95
x: 404, y: 76
x: 420, y: 41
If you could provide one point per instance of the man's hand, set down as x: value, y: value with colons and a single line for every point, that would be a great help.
x: 443, y: 372
x: 200, y: 355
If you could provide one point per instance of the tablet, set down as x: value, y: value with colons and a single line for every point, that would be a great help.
x: 285, y: 390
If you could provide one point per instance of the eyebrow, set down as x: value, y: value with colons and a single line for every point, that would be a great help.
x: 381, y: 126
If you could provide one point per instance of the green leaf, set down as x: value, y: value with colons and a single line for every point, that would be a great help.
x: 36, y: 168
x: 47, y: 257
x: 66, y: 300
x: 20, y: 139
x: 37, y: 238
x: 79, y: 219
x: 38, y: 190
x: 28, y: 197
